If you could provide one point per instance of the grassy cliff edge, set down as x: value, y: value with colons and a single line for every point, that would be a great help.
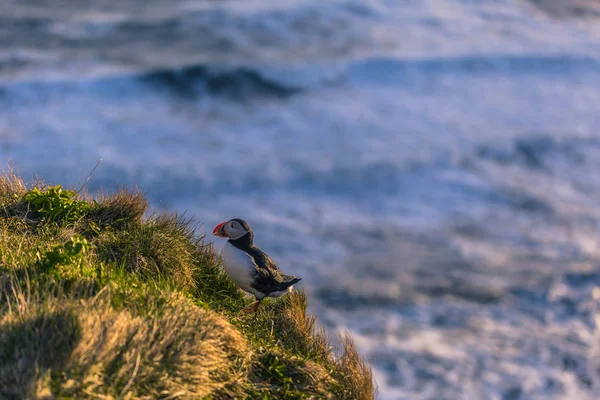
x: 98, y: 300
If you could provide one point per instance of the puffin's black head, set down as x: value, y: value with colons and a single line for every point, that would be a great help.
x: 234, y: 229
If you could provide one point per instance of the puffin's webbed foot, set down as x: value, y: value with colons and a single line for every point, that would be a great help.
x: 252, y: 308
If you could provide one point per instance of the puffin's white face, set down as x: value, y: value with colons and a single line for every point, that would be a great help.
x: 234, y: 230
x: 231, y: 229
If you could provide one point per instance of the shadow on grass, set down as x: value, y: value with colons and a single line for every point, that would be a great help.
x: 30, y: 348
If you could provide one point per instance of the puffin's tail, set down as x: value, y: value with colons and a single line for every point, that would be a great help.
x: 293, y: 280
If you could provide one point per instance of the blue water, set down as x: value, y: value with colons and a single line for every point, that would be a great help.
x: 430, y: 168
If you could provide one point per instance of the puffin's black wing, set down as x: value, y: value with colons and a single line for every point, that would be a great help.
x: 268, y: 278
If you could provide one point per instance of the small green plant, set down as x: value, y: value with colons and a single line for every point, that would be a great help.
x: 70, y: 253
x: 277, y: 371
x: 56, y: 204
x: 281, y: 377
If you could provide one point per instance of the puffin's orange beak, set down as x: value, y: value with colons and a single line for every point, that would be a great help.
x: 220, y: 230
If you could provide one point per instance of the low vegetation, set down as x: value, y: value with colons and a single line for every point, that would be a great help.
x: 98, y: 300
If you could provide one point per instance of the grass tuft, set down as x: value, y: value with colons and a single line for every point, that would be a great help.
x: 120, y: 210
x: 11, y: 187
x: 162, y: 247
x: 354, y: 372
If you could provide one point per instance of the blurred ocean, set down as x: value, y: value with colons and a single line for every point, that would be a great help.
x: 431, y: 168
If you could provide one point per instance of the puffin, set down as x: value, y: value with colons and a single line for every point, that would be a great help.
x: 248, y: 266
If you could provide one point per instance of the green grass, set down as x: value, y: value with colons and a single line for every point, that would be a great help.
x: 98, y: 300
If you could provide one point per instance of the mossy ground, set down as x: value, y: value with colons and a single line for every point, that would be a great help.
x: 99, y: 301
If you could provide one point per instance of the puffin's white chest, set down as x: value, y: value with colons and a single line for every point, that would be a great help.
x: 239, y: 267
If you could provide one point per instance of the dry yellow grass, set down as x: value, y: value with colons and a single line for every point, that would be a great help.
x: 91, y: 350
x: 352, y: 374
x: 355, y: 373
x: 119, y: 209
